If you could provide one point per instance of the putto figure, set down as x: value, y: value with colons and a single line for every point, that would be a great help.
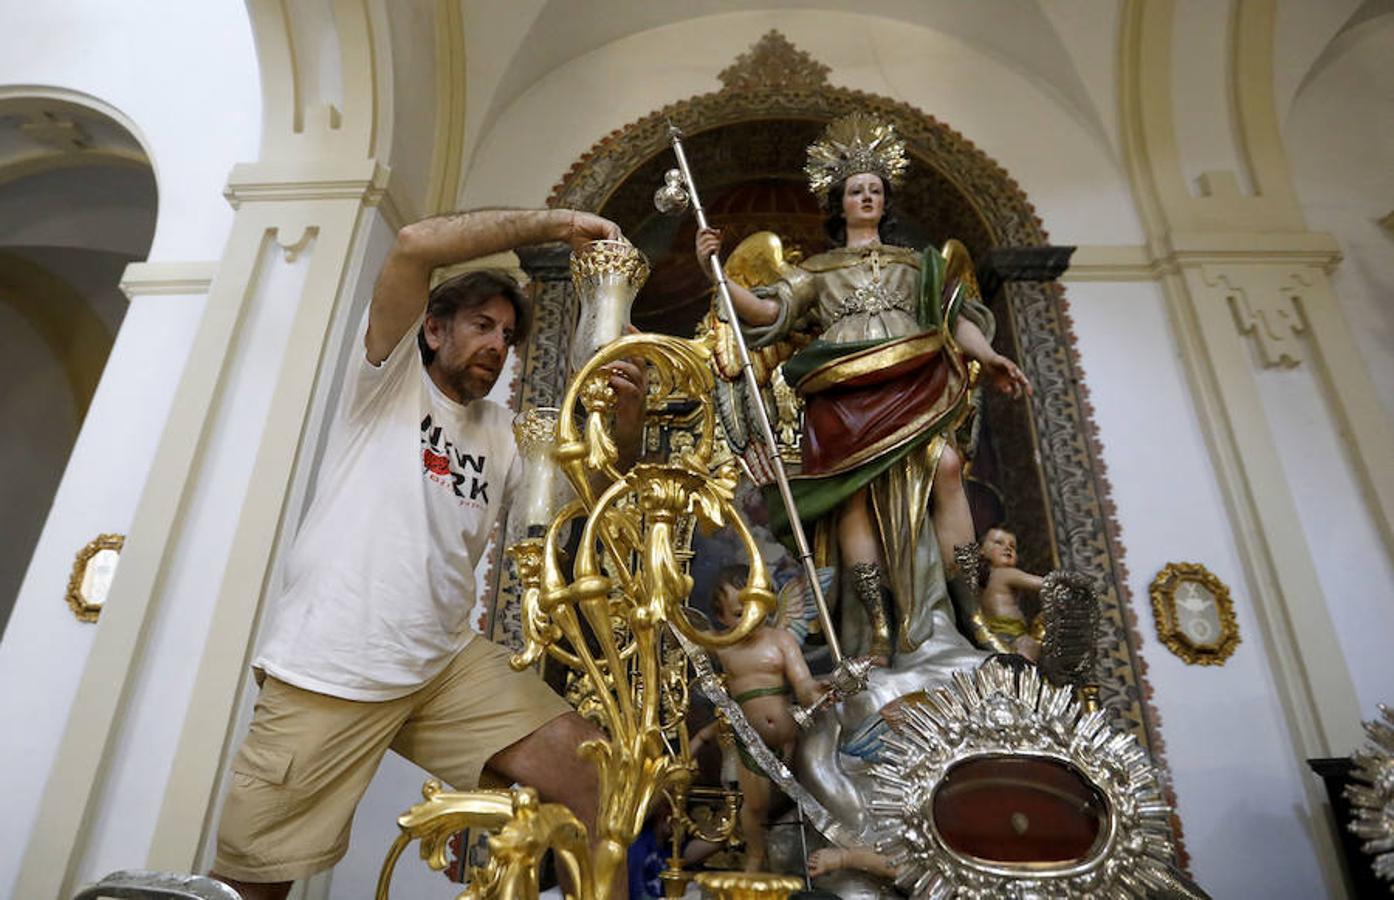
x: 763, y: 673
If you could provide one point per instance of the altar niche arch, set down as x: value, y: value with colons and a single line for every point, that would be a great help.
x: 746, y: 147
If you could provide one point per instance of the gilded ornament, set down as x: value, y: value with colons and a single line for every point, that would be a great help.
x: 599, y: 259
x: 774, y: 64
x: 607, y: 619
x: 94, y: 567
x: 748, y: 885
x: 1194, y: 613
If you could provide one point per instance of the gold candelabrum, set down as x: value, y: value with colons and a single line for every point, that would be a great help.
x: 607, y: 619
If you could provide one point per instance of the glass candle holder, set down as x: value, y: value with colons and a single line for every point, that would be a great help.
x: 607, y: 276
x: 544, y: 489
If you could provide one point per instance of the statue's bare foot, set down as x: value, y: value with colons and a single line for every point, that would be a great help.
x: 821, y: 862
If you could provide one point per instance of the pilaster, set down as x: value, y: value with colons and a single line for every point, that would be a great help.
x: 1247, y: 289
x: 313, y: 223
x: 1246, y: 284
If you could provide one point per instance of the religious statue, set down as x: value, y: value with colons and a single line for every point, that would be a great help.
x: 883, y: 387
x: 890, y: 761
x: 884, y: 384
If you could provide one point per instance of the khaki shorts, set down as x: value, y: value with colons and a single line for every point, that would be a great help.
x: 308, y: 757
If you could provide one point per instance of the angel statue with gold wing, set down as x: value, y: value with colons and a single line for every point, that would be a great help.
x: 883, y: 387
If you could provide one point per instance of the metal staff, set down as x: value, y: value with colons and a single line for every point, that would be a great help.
x: 850, y: 675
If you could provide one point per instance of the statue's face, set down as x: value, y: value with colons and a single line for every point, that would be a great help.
x: 863, y: 200
x: 999, y: 546
x: 728, y: 604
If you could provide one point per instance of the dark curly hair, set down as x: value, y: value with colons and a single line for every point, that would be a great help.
x: 470, y: 290
x: 835, y: 225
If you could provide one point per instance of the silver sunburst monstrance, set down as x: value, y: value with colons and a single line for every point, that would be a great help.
x: 996, y: 716
x: 1373, y: 800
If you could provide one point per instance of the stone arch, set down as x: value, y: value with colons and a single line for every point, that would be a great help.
x: 775, y: 82
x: 78, y: 202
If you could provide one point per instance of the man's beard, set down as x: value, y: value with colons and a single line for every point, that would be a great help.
x: 467, y: 383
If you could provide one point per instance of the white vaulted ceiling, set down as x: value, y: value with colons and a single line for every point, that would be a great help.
x: 510, y: 48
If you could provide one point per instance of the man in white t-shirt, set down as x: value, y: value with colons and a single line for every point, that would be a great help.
x: 369, y: 647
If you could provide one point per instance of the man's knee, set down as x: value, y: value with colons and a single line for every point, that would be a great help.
x: 251, y: 891
x: 578, y: 790
x: 548, y: 759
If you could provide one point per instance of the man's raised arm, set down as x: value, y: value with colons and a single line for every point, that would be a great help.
x: 422, y: 247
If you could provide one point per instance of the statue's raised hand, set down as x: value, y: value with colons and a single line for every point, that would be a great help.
x: 1005, y: 377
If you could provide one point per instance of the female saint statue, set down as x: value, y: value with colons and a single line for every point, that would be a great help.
x: 883, y: 386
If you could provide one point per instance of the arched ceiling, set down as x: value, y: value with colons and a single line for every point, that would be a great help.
x: 1370, y: 18
x: 514, y: 50
x: 1309, y: 36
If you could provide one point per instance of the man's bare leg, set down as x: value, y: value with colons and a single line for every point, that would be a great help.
x: 547, y: 760
x: 253, y: 891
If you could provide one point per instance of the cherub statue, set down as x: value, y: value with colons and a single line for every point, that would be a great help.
x: 762, y: 673
x: 884, y: 386
x: 1001, y: 594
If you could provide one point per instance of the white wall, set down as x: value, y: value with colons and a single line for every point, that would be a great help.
x: 183, y: 78
x: 41, y: 420
x: 1340, y: 135
x: 42, y: 656
x: 1234, y: 768
x: 139, y: 766
x: 1200, y: 72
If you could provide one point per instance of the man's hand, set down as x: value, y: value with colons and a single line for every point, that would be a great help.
x: 629, y: 381
x: 585, y: 227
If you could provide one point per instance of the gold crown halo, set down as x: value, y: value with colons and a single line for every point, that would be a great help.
x: 851, y: 145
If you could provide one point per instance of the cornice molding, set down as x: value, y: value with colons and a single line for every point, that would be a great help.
x: 1312, y: 248
x: 1178, y: 250
x: 1108, y: 262
x: 289, y: 181
x: 146, y: 279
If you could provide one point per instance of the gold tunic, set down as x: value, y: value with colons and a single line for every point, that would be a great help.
x: 853, y: 293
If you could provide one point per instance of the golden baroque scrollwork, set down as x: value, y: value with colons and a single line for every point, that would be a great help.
x: 93, y: 569
x: 608, y: 620
x: 1195, y: 616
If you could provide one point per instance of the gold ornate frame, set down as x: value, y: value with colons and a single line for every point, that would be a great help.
x: 84, y: 609
x: 1164, y: 590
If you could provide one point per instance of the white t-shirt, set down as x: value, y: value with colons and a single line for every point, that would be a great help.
x: 380, y: 580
